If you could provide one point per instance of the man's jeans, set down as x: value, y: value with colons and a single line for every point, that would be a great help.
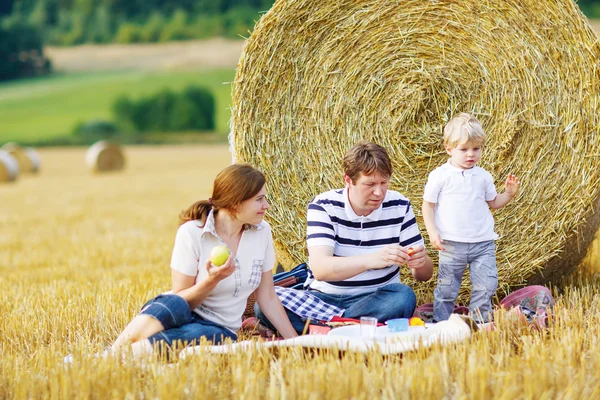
x: 395, y: 300
x: 481, y: 258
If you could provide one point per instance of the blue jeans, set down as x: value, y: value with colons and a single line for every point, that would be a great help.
x: 181, y: 324
x: 395, y: 300
x: 481, y: 258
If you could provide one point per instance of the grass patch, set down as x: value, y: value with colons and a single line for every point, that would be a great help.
x: 45, y: 108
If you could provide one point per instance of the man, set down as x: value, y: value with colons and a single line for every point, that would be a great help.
x: 358, y: 238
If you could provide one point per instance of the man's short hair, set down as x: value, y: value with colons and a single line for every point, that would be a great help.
x: 367, y: 158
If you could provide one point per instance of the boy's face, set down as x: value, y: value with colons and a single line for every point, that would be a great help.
x: 465, y: 155
x: 367, y: 193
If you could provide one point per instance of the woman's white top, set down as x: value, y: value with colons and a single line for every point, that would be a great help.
x: 255, y: 255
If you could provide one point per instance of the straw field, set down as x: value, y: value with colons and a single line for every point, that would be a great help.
x: 80, y: 253
x: 316, y: 77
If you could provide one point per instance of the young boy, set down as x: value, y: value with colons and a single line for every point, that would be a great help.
x: 456, y: 209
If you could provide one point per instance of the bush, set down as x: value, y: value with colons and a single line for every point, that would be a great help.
x: 167, y: 111
x: 92, y: 131
x: 239, y: 21
x: 128, y: 33
x: 203, y: 103
x: 177, y: 28
x: 21, y: 50
x: 204, y: 26
x: 152, y: 29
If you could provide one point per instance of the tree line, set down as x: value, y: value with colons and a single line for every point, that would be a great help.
x: 27, y: 25
x: 71, y: 22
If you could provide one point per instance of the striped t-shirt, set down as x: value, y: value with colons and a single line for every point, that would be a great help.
x: 332, y: 222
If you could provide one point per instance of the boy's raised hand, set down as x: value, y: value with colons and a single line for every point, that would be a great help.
x: 512, y: 185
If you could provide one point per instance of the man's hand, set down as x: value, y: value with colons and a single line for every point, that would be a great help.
x: 418, y: 257
x: 390, y: 255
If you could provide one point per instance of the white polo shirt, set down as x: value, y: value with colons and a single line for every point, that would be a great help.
x: 332, y: 222
x: 461, y: 212
x: 227, y: 302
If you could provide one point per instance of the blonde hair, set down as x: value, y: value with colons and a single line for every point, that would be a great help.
x: 231, y: 187
x: 462, y: 129
x: 366, y: 158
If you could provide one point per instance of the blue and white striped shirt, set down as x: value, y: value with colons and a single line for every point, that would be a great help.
x: 332, y: 222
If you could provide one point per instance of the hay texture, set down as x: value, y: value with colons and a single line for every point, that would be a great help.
x: 9, y: 167
x: 315, y: 77
x: 27, y: 158
x: 104, y: 156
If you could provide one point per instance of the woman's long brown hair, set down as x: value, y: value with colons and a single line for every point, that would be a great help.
x: 234, y: 184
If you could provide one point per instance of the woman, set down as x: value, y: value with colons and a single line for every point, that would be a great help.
x: 208, y: 301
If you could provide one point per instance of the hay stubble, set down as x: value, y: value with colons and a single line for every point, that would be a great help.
x: 79, y: 253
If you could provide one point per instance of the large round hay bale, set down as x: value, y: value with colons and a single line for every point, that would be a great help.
x: 9, y: 167
x: 104, y: 156
x: 22, y: 155
x: 315, y: 77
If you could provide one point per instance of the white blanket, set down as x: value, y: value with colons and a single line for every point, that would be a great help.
x: 453, y: 330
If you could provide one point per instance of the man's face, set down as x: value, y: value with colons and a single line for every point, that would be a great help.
x: 367, y: 193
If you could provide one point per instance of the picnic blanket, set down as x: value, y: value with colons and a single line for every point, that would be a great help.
x: 455, y: 329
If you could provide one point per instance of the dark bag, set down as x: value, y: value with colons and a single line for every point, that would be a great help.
x: 293, y: 278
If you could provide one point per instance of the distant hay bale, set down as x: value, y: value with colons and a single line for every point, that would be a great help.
x: 27, y: 163
x: 9, y: 167
x: 34, y: 158
x: 315, y: 77
x: 104, y: 156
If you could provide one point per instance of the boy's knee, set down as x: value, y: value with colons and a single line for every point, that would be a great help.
x: 446, y: 290
x: 487, y: 289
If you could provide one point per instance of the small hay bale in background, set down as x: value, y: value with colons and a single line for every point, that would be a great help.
x: 28, y: 159
x: 34, y: 157
x: 9, y: 167
x: 104, y: 156
x: 315, y: 77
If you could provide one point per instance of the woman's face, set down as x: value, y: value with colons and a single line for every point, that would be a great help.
x: 252, y: 210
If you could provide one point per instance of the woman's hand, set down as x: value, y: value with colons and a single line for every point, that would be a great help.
x: 217, y: 274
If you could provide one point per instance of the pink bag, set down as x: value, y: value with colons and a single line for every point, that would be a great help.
x: 532, y: 303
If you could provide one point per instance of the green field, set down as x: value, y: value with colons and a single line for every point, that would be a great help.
x: 45, y: 108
